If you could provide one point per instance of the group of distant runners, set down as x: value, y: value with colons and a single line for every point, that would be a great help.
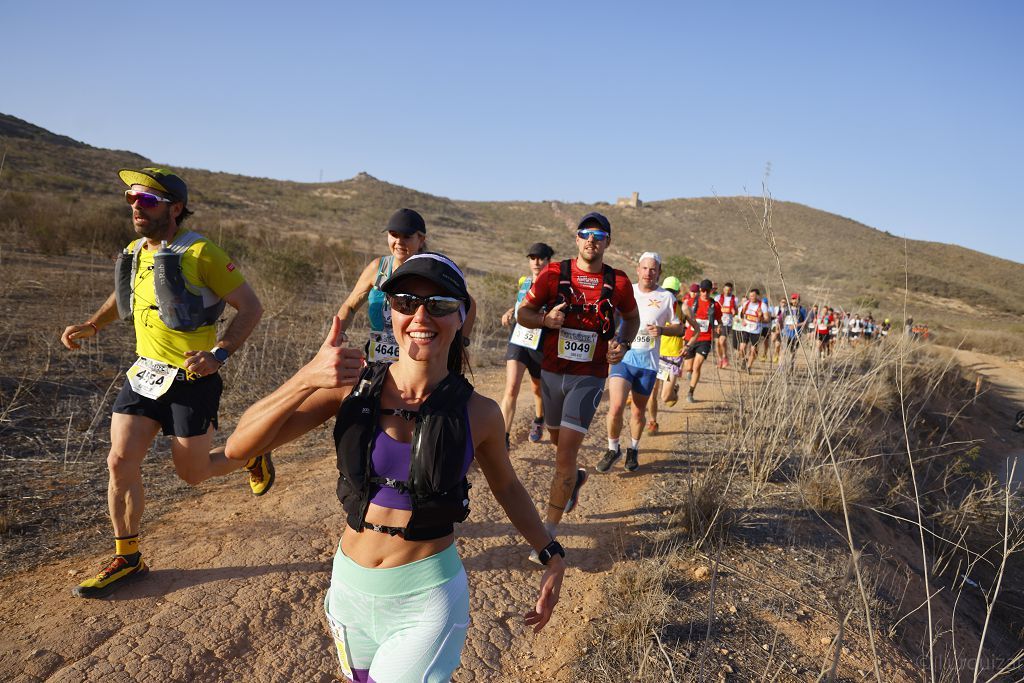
x: 407, y: 423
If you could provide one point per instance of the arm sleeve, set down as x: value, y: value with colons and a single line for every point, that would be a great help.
x: 217, y: 271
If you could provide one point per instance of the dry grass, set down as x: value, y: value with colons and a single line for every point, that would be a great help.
x: 818, y: 487
x: 1008, y: 343
x: 640, y: 604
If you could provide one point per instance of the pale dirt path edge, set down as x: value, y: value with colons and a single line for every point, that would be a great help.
x: 237, y: 584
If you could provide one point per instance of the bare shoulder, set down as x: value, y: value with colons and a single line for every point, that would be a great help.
x: 483, y: 408
x: 371, y: 268
x: 484, y: 416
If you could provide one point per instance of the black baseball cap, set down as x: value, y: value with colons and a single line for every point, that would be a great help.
x: 706, y: 284
x: 597, y: 219
x: 437, y: 268
x: 541, y: 250
x: 406, y: 222
x: 157, y: 179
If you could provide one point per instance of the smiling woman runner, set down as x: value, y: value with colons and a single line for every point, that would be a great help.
x: 398, y: 604
x: 407, y: 235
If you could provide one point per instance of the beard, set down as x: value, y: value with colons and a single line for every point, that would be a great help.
x: 157, y: 226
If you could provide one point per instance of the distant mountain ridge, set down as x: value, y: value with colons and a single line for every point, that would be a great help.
x: 13, y: 127
x: 826, y: 257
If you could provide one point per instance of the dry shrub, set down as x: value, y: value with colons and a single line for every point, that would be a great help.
x: 630, y: 641
x: 978, y: 514
x: 79, y: 223
x: 793, y: 417
x: 494, y: 294
x: 705, y: 513
x: 820, y: 489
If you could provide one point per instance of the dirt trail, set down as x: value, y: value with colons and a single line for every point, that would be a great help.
x: 1002, y: 381
x: 1004, y: 376
x: 237, y: 584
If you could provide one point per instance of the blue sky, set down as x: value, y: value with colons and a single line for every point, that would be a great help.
x: 905, y: 116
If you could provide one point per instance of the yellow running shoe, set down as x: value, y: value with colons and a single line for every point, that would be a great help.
x: 117, y: 573
x: 261, y: 474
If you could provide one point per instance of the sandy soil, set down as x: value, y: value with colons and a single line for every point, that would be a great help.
x: 237, y: 583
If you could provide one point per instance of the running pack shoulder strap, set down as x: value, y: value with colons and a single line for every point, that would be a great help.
x: 711, y: 309
x: 182, y: 305
x: 383, y: 270
x: 603, y: 308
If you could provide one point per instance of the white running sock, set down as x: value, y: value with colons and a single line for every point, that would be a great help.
x: 613, y: 444
x: 636, y: 444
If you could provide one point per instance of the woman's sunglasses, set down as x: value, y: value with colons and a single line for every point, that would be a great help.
x: 145, y: 199
x: 437, y: 306
x: 598, y: 235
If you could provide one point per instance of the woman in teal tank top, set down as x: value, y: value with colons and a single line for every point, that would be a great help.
x: 407, y: 235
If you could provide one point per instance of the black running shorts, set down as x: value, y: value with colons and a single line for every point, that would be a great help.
x: 187, y: 409
x: 750, y: 338
x: 703, y: 348
x: 531, y: 359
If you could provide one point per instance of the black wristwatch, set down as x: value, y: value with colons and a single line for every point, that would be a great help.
x: 465, y: 342
x: 220, y: 354
x: 550, y: 550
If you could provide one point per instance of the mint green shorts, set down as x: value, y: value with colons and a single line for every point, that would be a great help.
x: 398, y: 625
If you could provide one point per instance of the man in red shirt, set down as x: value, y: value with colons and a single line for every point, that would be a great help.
x: 575, y: 300
x: 727, y: 302
x: 708, y: 315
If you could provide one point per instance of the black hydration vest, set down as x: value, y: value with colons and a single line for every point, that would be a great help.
x: 710, y: 312
x: 182, y: 306
x: 603, y: 309
x: 436, y: 484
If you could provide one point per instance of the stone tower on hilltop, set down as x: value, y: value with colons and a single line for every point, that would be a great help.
x: 633, y: 201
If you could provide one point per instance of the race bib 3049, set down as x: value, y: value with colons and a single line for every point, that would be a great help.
x: 576, y: 345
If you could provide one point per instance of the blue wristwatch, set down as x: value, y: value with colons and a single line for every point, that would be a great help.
x: 220, y: 354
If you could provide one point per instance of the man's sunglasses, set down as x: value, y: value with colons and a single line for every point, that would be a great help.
x: 145, y: 199
x: 598, y: 235
x: 437, y: 306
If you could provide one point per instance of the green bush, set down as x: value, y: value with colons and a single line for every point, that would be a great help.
x: 683, y: 267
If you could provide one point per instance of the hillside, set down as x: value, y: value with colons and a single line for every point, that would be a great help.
x: 726, y: 556
x: 827, y: 257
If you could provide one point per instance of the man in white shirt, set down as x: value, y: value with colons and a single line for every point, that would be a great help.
x: 638, y: 370
x: 754, y: 313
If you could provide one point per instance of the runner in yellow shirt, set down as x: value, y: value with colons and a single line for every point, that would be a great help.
x: 173, y: 284
x: 669, y: 362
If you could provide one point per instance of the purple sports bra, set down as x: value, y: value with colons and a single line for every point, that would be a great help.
x: 391, y: 461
